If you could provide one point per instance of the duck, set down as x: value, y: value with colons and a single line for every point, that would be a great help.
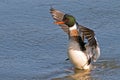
x: 83, y: 47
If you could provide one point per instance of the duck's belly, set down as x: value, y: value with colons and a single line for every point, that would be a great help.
x: 78, y: 59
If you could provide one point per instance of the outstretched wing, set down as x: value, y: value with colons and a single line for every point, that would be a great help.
x: 92, y: 46
x: 88, y: 34
x: 58, y: 16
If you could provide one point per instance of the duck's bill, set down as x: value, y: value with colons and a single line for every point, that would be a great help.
x: 59, y: 22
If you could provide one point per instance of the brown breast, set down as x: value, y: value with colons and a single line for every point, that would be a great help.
x: 74, y: 33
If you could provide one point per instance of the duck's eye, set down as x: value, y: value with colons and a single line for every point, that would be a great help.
x: 66, y: 20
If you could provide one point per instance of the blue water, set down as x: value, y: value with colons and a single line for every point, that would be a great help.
x: 33, y: 48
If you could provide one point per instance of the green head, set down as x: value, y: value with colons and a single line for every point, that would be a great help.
x: 69, y: 20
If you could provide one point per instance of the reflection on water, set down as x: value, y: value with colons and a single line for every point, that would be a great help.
x: 81, y: 75
x: 103, y: 67
x: 78, y: 75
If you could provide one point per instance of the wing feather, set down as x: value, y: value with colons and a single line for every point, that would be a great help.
x: 58, y: 16
x: 93, y: 49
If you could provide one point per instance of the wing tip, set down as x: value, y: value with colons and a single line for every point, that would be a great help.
x: 52, y: 9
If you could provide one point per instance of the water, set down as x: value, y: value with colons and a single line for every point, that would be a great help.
x: 33, y: 48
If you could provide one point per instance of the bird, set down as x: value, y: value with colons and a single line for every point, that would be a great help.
x: 83, y: 47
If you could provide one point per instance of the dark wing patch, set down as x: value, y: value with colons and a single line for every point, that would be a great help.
x: 93, y: 50
x: 89, y: 35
